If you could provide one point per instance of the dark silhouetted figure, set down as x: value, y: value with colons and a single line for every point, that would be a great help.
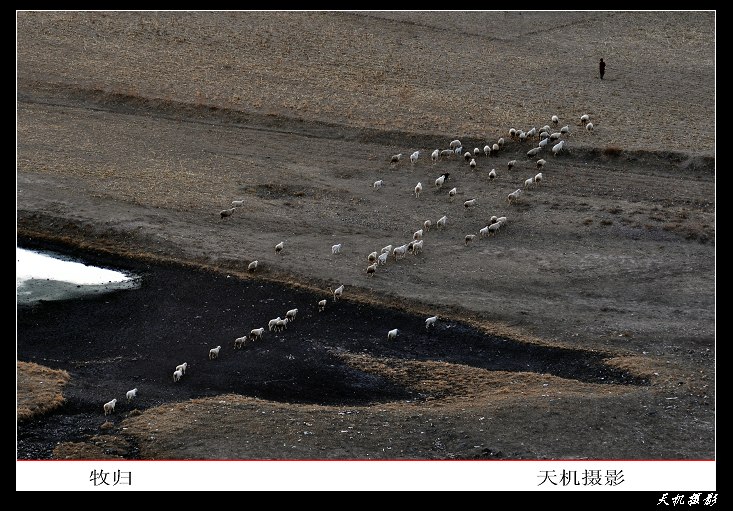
x: 602, y: 68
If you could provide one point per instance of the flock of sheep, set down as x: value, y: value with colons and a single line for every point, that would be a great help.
x: 414, y: 246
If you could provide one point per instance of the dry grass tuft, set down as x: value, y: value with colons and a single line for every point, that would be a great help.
x: 612, y: 150
x: 39, y: 389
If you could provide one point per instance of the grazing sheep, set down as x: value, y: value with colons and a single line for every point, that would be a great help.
x: 469, y: 238
x: 555, y: 136
x: 483, y: 232
x: 584, y: 119
x: 338, y: 292
x: 500, y: 142
x: 396, y: 158
x: 544, y: 135
x: 532, y: 133
x: 399, y: 252
x: 427, y: 224
x: 472, y: 163
x: 227, y: 212
x: 416, y: 247
x: 279, y: 247
x: 322, y: 305
x: 492, y: 174
x: 177, y: 375
x: 382, y: 259
x: 528, y: 182
x: 417, y: 234
x: 336, y: 249
x: 541, y: 163
x: 487, y: 150
x: 495, y: 148
x: 110, y: 406
x: 493, y: 219
x: 543, y: 142
x: 565, y: 130
x: 371, y: 269
x: 514, y: 196
x: 435, y: 155
x: 534, y: 151
x: 555, y: 119
x: 501, y: 220
x: 441, y: 222
x: 447, y: 153
x: 256, y: 333
x: 439, y: 182
x: 392, y: 334
x: 430, y: 322
x: 271, y: 324
x: 494, y: 228
x: 372, y: 257
x: 538, y: 178
x: 455, y: 143
x: 452, y: 192
x: 418, y: 189
x: 557, y: 148
x: 281, y: 325
x: 290, y: 315
x: 253, y: 265
x: 378, y: 184
x: 470, y: 203
x: 589, y: 127
x: 476, y: 151
x: 414, y: 156
x: 131, y: 394
x: 214, y: 353
x: 510, y: 164
x: 512, y: 132
x: 458, y: 151
x: 467, y: 156
x: 388, y: 248
x: 240, y: 342
x: 237, y: 203
x: 182, y: 367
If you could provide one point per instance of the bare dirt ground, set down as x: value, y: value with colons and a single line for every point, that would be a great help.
x: 584, y: 330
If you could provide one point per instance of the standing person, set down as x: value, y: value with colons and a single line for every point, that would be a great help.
x: 602, y: 68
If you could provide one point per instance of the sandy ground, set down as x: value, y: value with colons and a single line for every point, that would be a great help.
x: 135, y: 130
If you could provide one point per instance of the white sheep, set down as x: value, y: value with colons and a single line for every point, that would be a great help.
x: 237, y: 203
x: 544, y: 135
x: 182, y: 367
x: 417, y: 234
x: 589, y: 127
x: 392, y: 334
x: 338, y: 292
x: 227, y: 212
x: 214, y: 353
x: 279, y: 247
x: 538, y: 178
x: 336, y: 249
x: 322, y: 305
x: 455, y: 143
x: 452, y: 192
x: 510, y: 164
x: 442, y: 221
x: 418, y: 189
x: 281, y: 325
x: 439, y: 182
x: 541, y: 163
x: 555, y: 136
x: 417, y: 247
x: 430, y: 322
x: 447, y: 153
x: 256, y: 333
x: 557, y: 148
x: 469, y: 238
x: 414, y: 156
x: 555, y: 119
x: 543, y: 142
x: 494, y: 228
x: 371, y: 269
x: 290, y: 315
x: 487, y: 150
x: 565, y: 130
x: 131, y: 394
x: 177, y: 375
x: 378, y: 184
x: 472, y: 163
x: 271, y: 324
x: 514, y: 196
x: 528, y: 182
x: 110, y: 406
x: 458, y: 151
x: 435, y: 155
x: 492, y: 174
x: 483, y: 232
x: 476, y: 151
x: 470, y: 203
x: 585, y: 119
x: 382, y: 259
x: 522, y: 136
x: 533, y: 151
x: 427, y: 224
x: 493, y: 219
x: 495, y: 148
x: 532, y: 133
x: 399, y: 252
x: 467, y: 156
x: 388, y: 248
x: 253, y: 265
x: 240, y: 342
x: 512, y: 132
x: 396, y: 158
x: 501, y: 220
x: 372, y: 257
